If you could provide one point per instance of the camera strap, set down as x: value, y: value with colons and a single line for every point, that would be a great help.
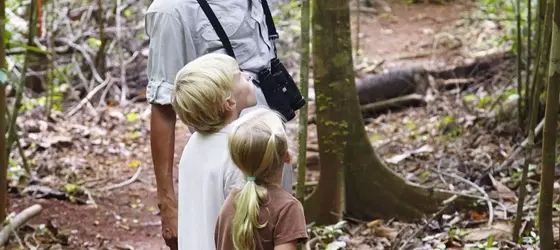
x: 272, y: 34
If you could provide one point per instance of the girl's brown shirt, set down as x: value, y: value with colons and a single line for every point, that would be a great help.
x: 283, y: 212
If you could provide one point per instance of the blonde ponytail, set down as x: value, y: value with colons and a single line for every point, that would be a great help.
x: 257, y: 146
x: 246, y: 218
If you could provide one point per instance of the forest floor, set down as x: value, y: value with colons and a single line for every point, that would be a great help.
x: 80, y: 158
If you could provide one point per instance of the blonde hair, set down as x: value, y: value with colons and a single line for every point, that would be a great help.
x: 257, y: 146
x: 201, y: 90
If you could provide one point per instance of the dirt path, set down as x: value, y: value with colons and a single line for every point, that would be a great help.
x: 127, y: 216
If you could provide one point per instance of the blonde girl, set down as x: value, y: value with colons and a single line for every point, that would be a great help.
x: 260, y: 215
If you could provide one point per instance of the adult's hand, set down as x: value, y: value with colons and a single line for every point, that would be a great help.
x: 168, y: 212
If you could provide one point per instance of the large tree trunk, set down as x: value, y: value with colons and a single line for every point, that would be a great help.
x: 371, y: 189
x: 3, y: 160
x: 549, y: 137
x: 333, y: 73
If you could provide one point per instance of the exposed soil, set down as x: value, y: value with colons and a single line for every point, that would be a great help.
x: 128, y: 216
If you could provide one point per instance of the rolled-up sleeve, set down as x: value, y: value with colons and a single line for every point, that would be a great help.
x: 167, y: 55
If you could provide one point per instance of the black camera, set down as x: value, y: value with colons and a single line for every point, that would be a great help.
x: 280, y: 90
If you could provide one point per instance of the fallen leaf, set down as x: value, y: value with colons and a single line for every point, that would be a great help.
x: 503, y: 191
x: 56, y: 140
x: 386, y: 232
x: 374, y: 223
x: 424, y: 149
x: 500, y: 232
x: 398, y: 158
x: 134, y: 163
x: 336, y: 245
x: 477, y: 216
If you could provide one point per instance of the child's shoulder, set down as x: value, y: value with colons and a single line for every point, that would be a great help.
x: 278, y: 197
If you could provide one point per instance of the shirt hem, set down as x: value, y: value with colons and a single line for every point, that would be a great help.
x: 297, y: 236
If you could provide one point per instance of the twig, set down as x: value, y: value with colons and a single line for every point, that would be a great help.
x: 490, y: 207
x: 393, y: 102
x: 516, y: 152
x: 17, y: 221
x: 22, y: 154
x: 18, y: 238
x: 449, y: 202
x: 70, y: 43
x: 124, y: 183
x: 88, y: 97
x: 124, y: 87
x: 439, y: 174
x: 310, y: 243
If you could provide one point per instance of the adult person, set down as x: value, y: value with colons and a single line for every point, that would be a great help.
x: 179, y: 32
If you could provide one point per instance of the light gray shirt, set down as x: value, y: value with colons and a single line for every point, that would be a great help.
x: 179, y: 32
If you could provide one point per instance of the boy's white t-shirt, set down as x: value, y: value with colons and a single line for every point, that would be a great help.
x: 206, y: 176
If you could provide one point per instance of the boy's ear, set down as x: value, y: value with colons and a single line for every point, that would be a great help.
x: 230, y: 104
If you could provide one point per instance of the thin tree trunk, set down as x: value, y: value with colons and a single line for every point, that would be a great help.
x: 303, y: 115
x: 20, y: 87
x: 371, y: 189
x: 3, y: 158
x: 541, y: 12
x: 533, y: 110
x: 519, y: 56
x: 527, y: 94
x: 549, y: 137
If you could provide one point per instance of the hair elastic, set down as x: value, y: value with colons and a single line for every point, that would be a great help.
x: 251, y: 178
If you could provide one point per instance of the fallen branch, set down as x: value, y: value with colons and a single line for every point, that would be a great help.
x: 17, y: 221
x: 366, y: 10
x: 124, y: 183
x: 393, y: 103
x: 88, y: 97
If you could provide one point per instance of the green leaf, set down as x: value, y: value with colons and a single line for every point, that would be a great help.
x: 127, y: 13
x: 131, y: 117
x: 69, y: 188
x: 470, y: 98
x: 3, y: 77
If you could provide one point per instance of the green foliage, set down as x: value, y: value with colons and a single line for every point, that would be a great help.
x: 327, y: 234
x: 56, y: 97
x: 503, y: 12
x: 449, y: 127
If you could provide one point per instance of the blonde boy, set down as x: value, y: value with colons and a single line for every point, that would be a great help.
x: 209, y: 93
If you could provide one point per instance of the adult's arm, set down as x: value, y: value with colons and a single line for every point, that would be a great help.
x: 167, y: 55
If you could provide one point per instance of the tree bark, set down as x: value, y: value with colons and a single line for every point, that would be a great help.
x: 370, y: 189
x: 549, y: 136
x: 3, y: 158
x: 303, y: 113
x: 333, y: 73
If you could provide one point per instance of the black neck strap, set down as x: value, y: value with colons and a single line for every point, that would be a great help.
x: 272, y: 34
